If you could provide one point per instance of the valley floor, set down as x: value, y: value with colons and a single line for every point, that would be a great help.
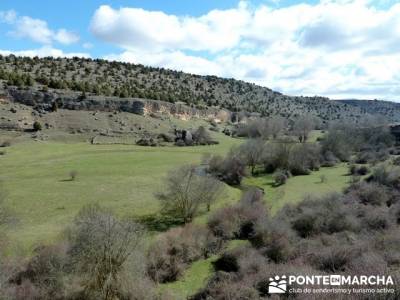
x: 44, y: 200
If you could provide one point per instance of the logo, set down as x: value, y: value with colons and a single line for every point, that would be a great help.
x: 277, y: 285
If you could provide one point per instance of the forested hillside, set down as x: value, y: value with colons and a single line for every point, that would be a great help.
x: 386, y: 108
x: 123, y: 80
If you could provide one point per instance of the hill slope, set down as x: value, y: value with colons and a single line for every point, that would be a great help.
x: 389, y: 109
x: 122, y: 80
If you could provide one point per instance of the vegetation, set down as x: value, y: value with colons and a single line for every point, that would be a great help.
x: 99, y: 77
x: 186, y: 191
x: 222, y: 222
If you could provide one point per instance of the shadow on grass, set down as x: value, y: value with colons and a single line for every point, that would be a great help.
x: 158, y: 222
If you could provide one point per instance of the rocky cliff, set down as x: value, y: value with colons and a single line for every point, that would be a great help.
x: 48, y: 100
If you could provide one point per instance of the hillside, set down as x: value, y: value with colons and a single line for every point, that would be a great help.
x: 386, y: 108
x: 122, y: 80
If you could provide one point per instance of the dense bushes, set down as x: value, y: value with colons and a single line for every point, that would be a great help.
x: 370, y: 140
x: 173, y: 251
x: 284, y: 157
x: 98, y: 259
x: 238, y: 221
x: 230, y: 169
x: 351, y: 233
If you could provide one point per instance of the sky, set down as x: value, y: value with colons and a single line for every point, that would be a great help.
x: 334, y: 48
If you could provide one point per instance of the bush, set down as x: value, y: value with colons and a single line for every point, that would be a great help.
x: 44, y: 272
x: 37, y: 126
x: 368, y: 193
x: 230, y: 169
x: 275, y: 238
x: 326, y: 215
x: 358, y: 170
x: 334, y: 258
x: 396, y: 161
x: 5, y: 144
x: 303, y: 159
x: 386, y: 175
x: 280, y: 177
x: 227, y: 262
x: 238, y: 221
x: 73, y: 174
x: 174, y: 250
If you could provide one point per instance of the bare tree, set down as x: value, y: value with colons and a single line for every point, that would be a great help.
x: 100, y: 247
x: 186, y: 190
x: 302, y: 127
x: 276, y: 125
x: 252, y: 153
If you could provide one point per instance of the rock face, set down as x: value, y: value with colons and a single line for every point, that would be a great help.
x: 73, y: 101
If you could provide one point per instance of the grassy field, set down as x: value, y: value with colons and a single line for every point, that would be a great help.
x: 122, y: 177
x: 299, y: 187
x: 36, y: 179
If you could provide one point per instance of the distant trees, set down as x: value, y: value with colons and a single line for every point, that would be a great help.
x: 186, y: 191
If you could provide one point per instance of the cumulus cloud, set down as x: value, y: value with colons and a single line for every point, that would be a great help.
x: 135, y: 28
x: 342, y: 48
x: 36, y: 30
x: 44, y: 52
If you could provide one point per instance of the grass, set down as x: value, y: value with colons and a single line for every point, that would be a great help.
x: 196, y: 276
x: 298, y: 187
x: 36, y: 177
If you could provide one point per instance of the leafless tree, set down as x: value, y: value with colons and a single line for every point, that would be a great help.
x: 100, y: 247
x: 252, y: 152
x: 276, y: 125
x: 302, y: 127
x: 186, y: 190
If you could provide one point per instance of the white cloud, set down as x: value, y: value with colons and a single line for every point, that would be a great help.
x: 135, y: 28
x: 66, y: 37
x: 36, y: 30
x: 44, y: 52
x: 342, y: 48
x: 8, y: 16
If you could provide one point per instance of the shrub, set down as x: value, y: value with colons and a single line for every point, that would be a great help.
x: 230, y: 169
x: 275, y: 238
x: 396, y: 161
x: 326, y: 215
x: 73, y: 174
x: 5, y: 144
x: 358, y: 170
x: 334, y: 258
x: 385, y: 175
x: 174, y: 250
x: 37, y: 126
x: 100, y: 247
x: 280, y: 177
x: 238, y: 221
x: 44, y: 272
x: 376, y: 219
x: 368, y: 193
x: 303, y: 159
x: 323, y: 178
x: 186, y: 191
x: 227, y: 262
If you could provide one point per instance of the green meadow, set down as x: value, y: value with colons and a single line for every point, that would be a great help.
x: 44, y: 199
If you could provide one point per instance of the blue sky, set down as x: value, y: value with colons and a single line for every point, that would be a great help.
x: 334, y: 48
